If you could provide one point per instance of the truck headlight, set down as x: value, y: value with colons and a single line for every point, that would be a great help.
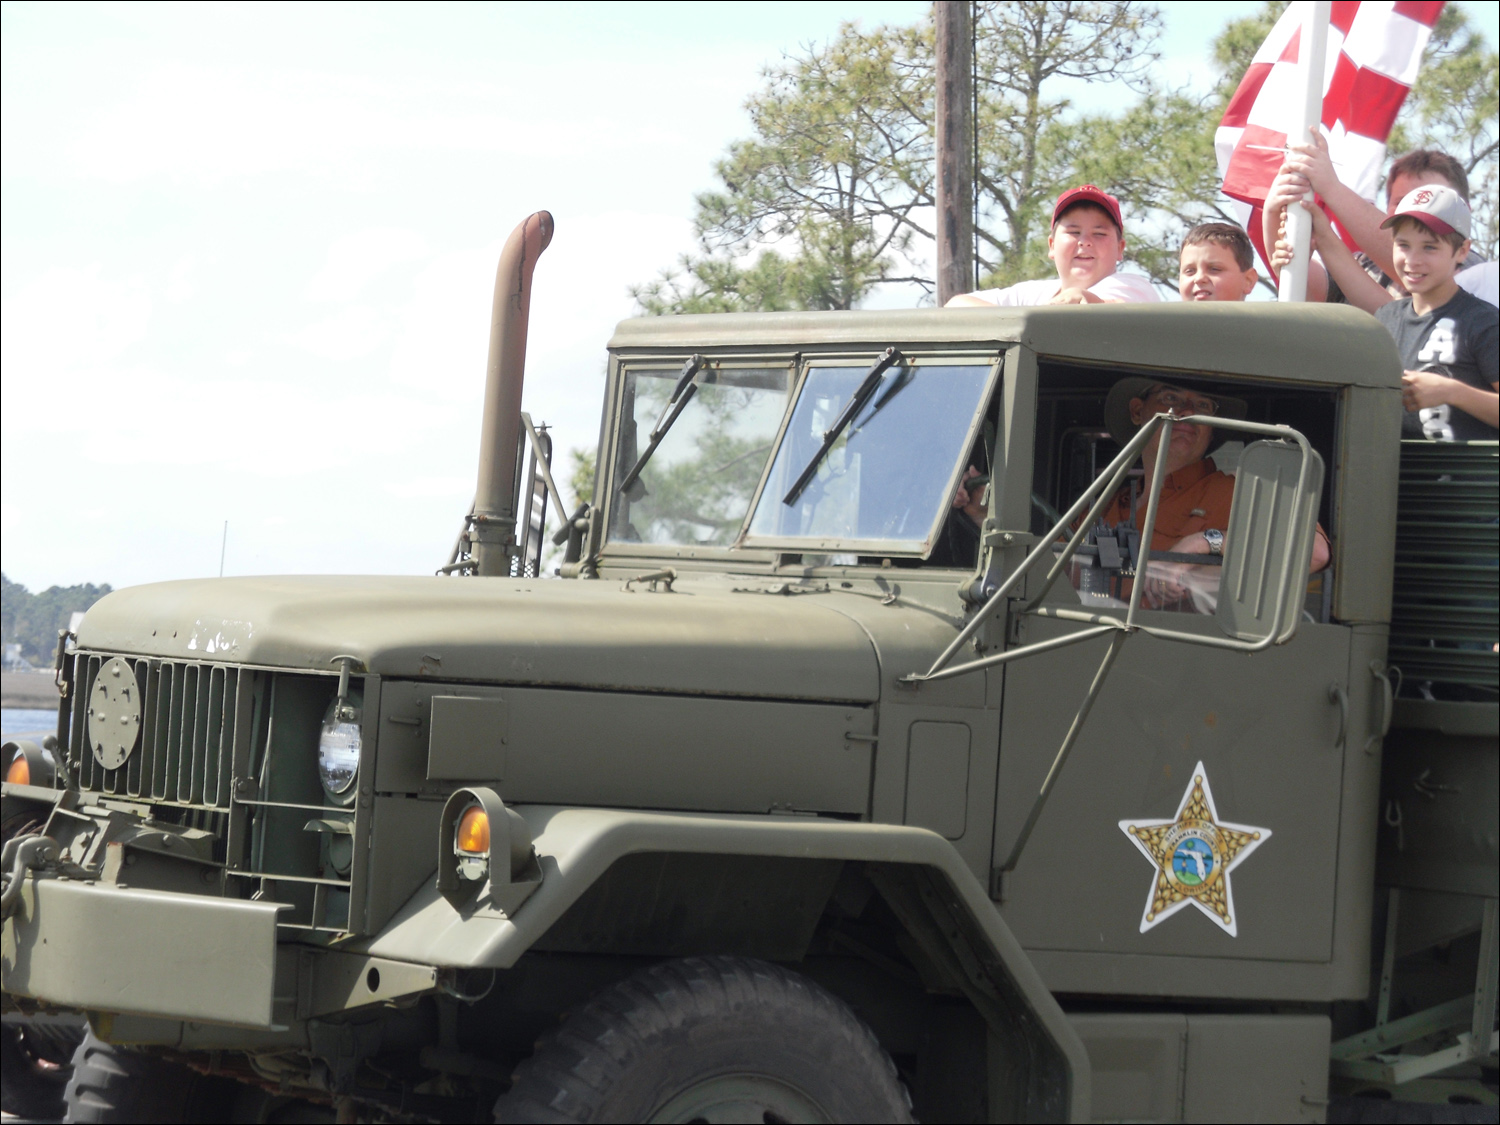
x: 338, y: 757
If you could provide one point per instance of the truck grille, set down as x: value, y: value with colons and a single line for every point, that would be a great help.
x: 1445, y: 613
x: 186, y: 751
x: 233, y: 750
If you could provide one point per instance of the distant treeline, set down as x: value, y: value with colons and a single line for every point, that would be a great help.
x: 34, y: 619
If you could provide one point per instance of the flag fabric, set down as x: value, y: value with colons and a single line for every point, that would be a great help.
x: 1374, y: 50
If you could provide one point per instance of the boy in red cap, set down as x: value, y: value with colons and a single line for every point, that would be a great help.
x: 1087, y: 245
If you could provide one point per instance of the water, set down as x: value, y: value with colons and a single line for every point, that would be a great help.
x: 27, y: 722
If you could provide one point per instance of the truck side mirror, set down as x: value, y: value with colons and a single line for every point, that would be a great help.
x: 1265, y: 518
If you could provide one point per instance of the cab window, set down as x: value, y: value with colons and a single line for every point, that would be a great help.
x: 1074, y: 445
x: 696, y: 487
x: 887, y: 481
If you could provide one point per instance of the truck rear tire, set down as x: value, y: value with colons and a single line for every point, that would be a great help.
x: 709, y: 1039
x: 115, y: 1084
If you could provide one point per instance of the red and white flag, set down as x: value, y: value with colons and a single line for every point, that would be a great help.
x: 1374, y: 50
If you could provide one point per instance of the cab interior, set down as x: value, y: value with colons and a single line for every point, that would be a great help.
x: 1073, y: 446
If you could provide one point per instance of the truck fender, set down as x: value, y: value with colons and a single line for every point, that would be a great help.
x: 935, y: 896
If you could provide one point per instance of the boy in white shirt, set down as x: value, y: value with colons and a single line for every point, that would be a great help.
x: 1087, y: 244
x: 1482, y: 280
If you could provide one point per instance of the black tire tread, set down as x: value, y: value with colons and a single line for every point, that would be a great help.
x: 112, y: 1085
x: 576, y: 1066
x: 24, y: 1092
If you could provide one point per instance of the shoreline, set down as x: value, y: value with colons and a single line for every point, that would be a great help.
x: 30, y: 690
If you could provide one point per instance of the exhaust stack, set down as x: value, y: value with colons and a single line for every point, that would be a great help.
x: 493, y: 528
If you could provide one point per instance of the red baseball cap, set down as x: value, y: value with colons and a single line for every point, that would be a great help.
x: 1088, y: 193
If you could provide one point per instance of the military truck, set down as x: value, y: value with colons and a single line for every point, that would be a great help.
x: 788, y: 797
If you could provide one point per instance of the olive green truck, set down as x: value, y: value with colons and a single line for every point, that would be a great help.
x: 790, y: 797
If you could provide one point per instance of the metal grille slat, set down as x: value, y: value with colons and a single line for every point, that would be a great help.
x: 171, y: 726
x: 83, y: 685
x: 136, y: 774
x: 153, y: 754
x: 215, y: 744
x: 200, y: 733
x: 187, y: 731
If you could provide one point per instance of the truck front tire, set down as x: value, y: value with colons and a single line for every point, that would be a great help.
x: 35, y: 1071
x: 115, y: 1084
x: 709, y: 1039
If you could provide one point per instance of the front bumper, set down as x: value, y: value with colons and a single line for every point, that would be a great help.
x: 105, y: 948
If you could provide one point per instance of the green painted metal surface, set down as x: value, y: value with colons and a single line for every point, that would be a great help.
x: 98, y: 947
x: 1445, y: 615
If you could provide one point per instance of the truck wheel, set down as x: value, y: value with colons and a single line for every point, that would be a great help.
x: 34, y: 1069
x: 709, y: 1039
x: 115, y: 1084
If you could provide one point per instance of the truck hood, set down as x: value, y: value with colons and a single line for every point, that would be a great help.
x: 496, y: 630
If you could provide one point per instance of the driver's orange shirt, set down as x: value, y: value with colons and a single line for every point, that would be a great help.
x: 1194, y: 498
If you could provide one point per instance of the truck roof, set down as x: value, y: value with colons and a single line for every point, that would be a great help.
x: 1316, y: 343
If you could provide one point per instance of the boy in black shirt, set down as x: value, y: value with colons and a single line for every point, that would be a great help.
x: 1449, y: 340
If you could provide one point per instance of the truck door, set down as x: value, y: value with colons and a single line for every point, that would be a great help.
x: 1267, y: 737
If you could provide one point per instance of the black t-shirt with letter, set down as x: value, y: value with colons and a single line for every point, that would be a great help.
x: 1460, y: 340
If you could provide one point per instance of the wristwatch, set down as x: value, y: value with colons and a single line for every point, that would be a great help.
x: 1215, y: 540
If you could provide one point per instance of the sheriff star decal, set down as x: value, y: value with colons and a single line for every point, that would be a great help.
x: 1193, y: 854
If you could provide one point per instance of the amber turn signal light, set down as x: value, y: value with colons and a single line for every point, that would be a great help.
x: 473, y: 835
x: 19, y: 773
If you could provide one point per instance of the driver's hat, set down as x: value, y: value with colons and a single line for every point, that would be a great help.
x: 1117, y: 405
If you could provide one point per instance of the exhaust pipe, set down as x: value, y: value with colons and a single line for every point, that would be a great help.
x: 493, y: 527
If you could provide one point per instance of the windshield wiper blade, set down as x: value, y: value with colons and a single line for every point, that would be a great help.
x: 851, y: 410
x: 682, y: 394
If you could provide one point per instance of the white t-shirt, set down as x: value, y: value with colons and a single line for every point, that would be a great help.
x: 1482, y: 280
x: 1115, y: 287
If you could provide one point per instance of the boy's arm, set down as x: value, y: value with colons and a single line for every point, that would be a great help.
x: 1421, y: 389
x: 1284, y: 192
x: 1311, y: 166
x: 1360, y: 289
x: 1428, y: 388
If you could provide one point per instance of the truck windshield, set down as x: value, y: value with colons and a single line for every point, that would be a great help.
x: 697, y: 486
x: 888, y: 476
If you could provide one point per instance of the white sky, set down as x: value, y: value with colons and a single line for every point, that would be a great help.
x: 246, y: 254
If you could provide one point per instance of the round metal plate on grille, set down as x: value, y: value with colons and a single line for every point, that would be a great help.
x: 114, y: 714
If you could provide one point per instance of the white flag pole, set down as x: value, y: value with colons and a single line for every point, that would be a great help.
x: 1311, y: 49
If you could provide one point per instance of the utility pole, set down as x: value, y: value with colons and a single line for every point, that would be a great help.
x: 954, y: 20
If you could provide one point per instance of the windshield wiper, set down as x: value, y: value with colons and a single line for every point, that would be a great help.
x: 682, y: 394
x: 851, y: 409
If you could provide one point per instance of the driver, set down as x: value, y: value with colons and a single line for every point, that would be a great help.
x: 1195, y: 495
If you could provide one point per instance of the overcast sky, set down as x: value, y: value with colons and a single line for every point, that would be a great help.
x: 247, y: 254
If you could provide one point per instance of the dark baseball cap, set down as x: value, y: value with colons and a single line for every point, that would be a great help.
x: 1088, y: 193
